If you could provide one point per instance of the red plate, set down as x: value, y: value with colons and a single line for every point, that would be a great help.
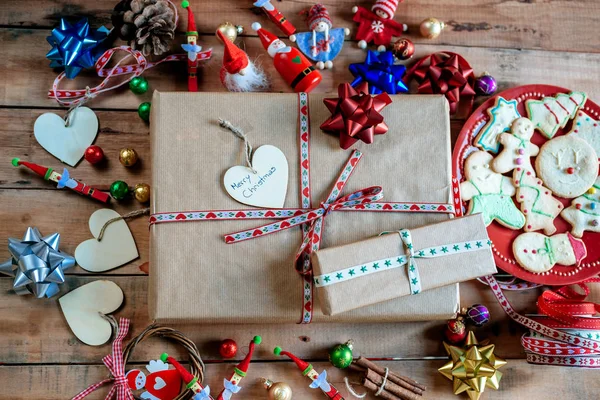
x: 503, y: 237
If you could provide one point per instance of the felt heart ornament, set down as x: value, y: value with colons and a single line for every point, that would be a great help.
x: 67, y: 143
x: 116, y: 248
x: 265, y: 188
x: 83, y: 307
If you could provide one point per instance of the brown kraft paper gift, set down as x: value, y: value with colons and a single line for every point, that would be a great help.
x: 451, y: 265
x: 196, y: 277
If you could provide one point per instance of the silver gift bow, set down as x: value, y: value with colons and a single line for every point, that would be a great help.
x: 36, y: 264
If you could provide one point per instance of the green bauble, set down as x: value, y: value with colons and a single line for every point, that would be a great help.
x: 144, y: 111
x: 119, y: 190
x: 138, y: 85
x: 341, y: 355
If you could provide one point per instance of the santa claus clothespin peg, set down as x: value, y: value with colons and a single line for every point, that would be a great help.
x: 194, y: 51
x: 323, y: 43
x: 191, y: 382
x: 276, y: 16
x: 378, y: 26
x: 291, y: 64
x: 231, y: 385
x: 238, y: 73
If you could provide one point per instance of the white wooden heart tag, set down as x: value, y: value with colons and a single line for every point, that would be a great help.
x: 116, y: 248
x: 265, y: 188
x: 82, y: 308
x: 67, y: 143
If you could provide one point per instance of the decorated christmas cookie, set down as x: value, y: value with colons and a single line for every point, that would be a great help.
x: 588, y: 129
x: 518, y: 149
x: 489, y: 192
x: 537, y: 203
x: 567, y: 165
x: 551, y: 113
x: 584, y: 212
x: 502, y: 116
x: 539, y: 253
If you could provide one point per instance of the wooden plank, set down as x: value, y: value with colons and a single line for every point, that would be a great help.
x: 485, y: 23
x: 518, y: 381
x: 27, y: 79
x: 34, y: 331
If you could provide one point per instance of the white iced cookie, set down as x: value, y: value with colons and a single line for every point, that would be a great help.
x: 588, y: 129
x: 584, y: 212
x: 539, y: 253
x: 537, y: 203
x: 552, y: 113
x: 568, y: 166
x: 517, y: 148
x: 489, y: 193
x: 502, y: 116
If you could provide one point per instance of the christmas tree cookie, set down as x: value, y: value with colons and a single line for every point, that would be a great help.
x: 518, y: 149
x: 537, y: 203
x: 588, y: 129
x: 502, y: 116
x: 539, y: 253
x: 584, y: 212
x: 489, y: 193
x: 552, y: 113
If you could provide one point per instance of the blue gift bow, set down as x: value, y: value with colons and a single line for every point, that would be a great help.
x: 379, y: 71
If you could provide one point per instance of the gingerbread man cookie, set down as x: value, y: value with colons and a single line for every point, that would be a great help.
x: 539, y: 253
x: 537, y: 203
x: 518, y: 149
x: 502, y: 116
x: 489, y: 193
x: 584, y: 212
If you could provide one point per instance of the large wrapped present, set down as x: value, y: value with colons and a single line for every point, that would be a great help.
x: 202, y: 272
x: 402, y: 263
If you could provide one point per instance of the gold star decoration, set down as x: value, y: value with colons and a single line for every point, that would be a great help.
x: 472, y: 367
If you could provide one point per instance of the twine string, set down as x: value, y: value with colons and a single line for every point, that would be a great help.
x: 351, y: 389
x: 74, y: 106
x: 382, y: 387
x: 129, y: 215
x: 241, y: 135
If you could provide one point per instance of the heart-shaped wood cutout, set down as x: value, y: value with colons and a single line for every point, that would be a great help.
x: 116, y: 248
x: 67, y: 143
x: 82, y: 308
x: 265, y: 188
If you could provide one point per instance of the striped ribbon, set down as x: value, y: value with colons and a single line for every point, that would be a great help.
x: 115, y: 364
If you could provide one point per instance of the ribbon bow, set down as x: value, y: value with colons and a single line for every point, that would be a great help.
x: 379, y: 71
x: 355, y: 114
x: 230, y: 389
x: 444, y: 73
x: 321, y: 382
x: 115, y: 364
x: 203, y: 395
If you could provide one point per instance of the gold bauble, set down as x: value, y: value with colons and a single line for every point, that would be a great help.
x: 431, y: 28
x: 277, y: 390
x: 228, y: 30
x: 141, y: 192
x: 128, y: 157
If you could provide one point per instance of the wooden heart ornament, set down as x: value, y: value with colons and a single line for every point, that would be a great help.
x: 67, y: 143
x: 82, y: 308
x: 265, y: 188
x: 116, y: 248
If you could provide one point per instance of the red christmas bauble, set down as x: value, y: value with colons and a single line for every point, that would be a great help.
x: 94, y: 154
x: 228, y: 348
x: 455, y: 332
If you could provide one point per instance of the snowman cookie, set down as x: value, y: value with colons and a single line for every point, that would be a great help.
x: 567, y: 165
x: 584, y: 212
x: 489, y: 193
x: 518, y: 149
x: 539, y: 253
x: 502, y: 115
x: 537, y: 203
x: 588, y: 129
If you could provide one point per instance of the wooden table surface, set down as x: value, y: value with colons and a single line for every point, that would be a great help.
x: 518, y: 42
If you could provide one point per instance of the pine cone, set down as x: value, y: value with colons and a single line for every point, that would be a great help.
x: 155, y: 25
x: 125, y: 30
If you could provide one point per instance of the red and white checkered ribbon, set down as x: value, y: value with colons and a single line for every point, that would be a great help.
x: 115, y: 364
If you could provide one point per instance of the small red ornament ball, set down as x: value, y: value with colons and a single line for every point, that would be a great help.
x: 228, y: 348
x: 455, y: 332
x: 94, y: 154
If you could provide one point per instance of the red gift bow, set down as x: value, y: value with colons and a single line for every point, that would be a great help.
x: 355, y: 114
x: 116, y: 366
x: 444, y: 73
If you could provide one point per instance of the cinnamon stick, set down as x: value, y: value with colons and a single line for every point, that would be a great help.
x: 400, y: 380
x: 391, y: 387
x: 384, y: 393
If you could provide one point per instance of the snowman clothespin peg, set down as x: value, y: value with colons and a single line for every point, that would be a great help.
x: 323, y: 43
x: 378, y: 25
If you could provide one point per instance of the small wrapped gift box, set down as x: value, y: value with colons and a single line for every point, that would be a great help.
x: 402, y: 263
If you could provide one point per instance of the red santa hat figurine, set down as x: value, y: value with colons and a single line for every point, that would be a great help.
x: 238, y: 73
x: 378, y: 26
x: 291, y: 64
